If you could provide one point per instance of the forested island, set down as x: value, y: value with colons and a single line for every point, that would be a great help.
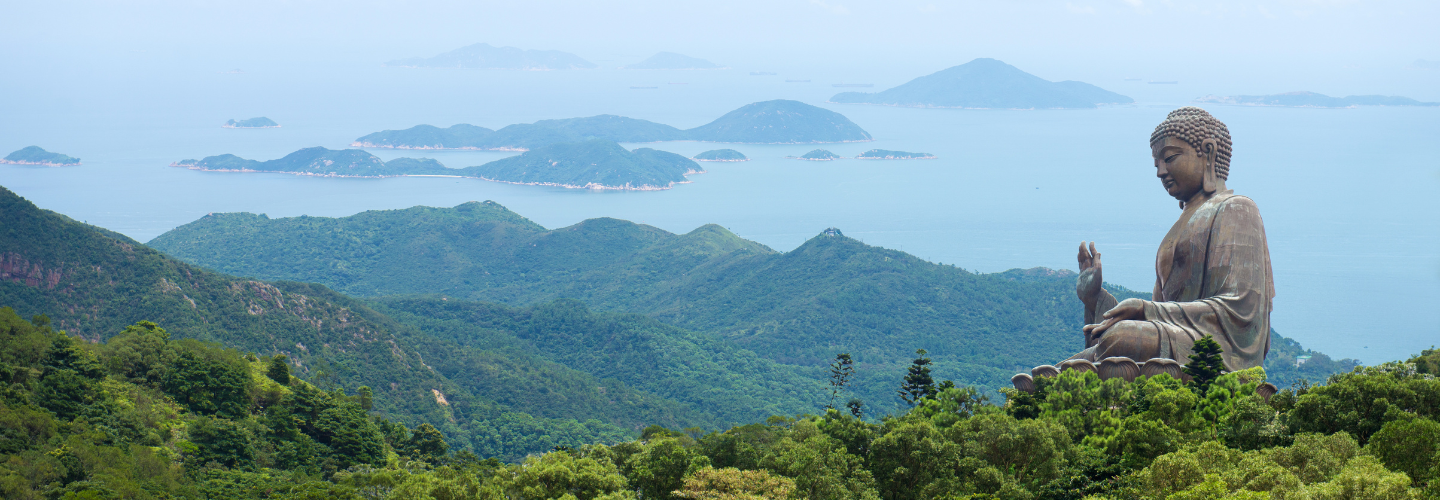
x: 885, y: 154
x: 593, y: 164
x: 769, y: 122
x: 485, y: 56
x: 250, y: 389
x: 35, y: 155
x: 257, y: 122
x: 721, y: 155
x: 817, y: 155
x: 1312, y: 100
x: 987, y: 84
x: 671, y: 60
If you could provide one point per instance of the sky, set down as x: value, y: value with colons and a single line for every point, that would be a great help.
x: 1336, y: 47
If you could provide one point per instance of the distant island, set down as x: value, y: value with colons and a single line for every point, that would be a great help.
x: 885, y: 154
x: 1313, y: 100
x: 257, y: 122
x: 322, y: 162
x: 817, y: 155
x: 34, y: 155
x: 671, y: 60
x: 769, y: 122
x: 592, y: 164
x: 721, y: 155
x: 987, y: 84
x: 485, y: 56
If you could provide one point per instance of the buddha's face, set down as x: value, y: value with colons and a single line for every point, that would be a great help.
x: 1180, y: 168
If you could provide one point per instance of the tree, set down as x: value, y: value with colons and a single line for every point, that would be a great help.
x: 1205, y: 365
x: 367, y: 397
x: 840, y: 373
x: 918, y: 384
x: 857, y: 407
x: 734, y: 484
x: 279, y: 370
x: 426, y: 443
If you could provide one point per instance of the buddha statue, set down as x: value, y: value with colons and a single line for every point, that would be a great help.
x: 1212, y: 271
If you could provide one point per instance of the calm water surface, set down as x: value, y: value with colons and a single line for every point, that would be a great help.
x: 1347, y: 195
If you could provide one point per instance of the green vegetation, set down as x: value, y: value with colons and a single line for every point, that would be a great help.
x: 83, y: 420
x: 671, y: 60
x: 796, y: 309
x: 485, y: 56
x: 322, y: 162
x: 257, y: 122
x: 885, y: 154
x: 987, y: 83
x: 1313, y: 100
x: 778, y: 121
x: 818, y: 155
x: 591, y: 164
x: 721, y: 155
x: 34, y: 155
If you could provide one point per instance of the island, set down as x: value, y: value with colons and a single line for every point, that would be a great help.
x: 592, y: 164
x: 721, y: 155
x: 770, y: 122
x: 671, y: 60
x: 322, y: 162
x: 987, y: 84
x: 35, y: 155
x: 817, y: 155
x: 485, y: 56
x: 1304, y: 99
x: 885, y: 154
x: 257, y: 122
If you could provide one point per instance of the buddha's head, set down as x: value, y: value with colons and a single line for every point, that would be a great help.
x: 1191, y: 150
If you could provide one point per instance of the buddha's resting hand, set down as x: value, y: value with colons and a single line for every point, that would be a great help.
x: 1128, y: 309
x: 1088, y: 285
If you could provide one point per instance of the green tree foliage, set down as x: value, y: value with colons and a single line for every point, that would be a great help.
x: 1205, y: 364
x: 734, y: 484
x: 279, y: 370
x: 918, y: 383
x: 841, y: 371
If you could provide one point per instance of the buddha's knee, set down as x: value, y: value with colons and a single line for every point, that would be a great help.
x: 1137, y: 340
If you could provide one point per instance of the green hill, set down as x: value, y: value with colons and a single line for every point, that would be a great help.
x: 987, y: 83
x: 778, y: 121
x: 833, y: 294
x: 507, y: 391
x: 257, y: 122
x: 818, y: 155
x: 319, y: 161
x: 721, y: 155
x: 485, y: 56
x: 596, y: 164
x: 671, y: 60
x: 1313, y: 100
x: 35, y: 155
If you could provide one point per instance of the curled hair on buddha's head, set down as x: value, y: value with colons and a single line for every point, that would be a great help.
x: 1194, y: 125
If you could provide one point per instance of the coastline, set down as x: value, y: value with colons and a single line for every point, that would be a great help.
x: 40, y: 163
x: 358, y: 144
x: 592, y: 186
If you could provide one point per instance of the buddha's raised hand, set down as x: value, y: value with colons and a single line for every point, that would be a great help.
x: 1088, y: 285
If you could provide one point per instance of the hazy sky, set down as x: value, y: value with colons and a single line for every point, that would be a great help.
x: 1329, y: 46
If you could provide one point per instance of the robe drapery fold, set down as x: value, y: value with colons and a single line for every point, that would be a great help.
x: 1213, y: 278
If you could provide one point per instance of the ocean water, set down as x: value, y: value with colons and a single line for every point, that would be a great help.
x: 1347, y: 195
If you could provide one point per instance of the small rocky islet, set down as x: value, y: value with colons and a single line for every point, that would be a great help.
x: 721, y: 155
x: 818, y: 155
x: 885, y: 154
x: 35, y: 155
x: 256, y: 122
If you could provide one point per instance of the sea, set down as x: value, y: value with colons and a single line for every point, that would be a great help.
x: 1347, y: 195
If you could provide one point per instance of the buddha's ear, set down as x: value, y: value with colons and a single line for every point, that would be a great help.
x: 1210, y: 150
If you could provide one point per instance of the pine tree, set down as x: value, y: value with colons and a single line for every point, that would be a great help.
x: 1205, y: 365
x: 857, y: 407
x: 840, y: 373
x: 367, y: 397
x: 279, y: 371
x: 918, y: 384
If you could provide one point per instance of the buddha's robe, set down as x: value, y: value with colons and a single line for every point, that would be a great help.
x: 1212, y: 277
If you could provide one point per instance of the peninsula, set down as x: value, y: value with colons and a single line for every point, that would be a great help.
x: 592, y: 164
x: 721, y: 155
x: 885, y: 154
x: 770, y: 122
x: 671, y: 60
x: 485, y: 56
x: 1312, y: 100
x: 257, y: 122
x: 34, y: 155
x: 987, y: 84
x: 818, y: 155
x: 322, y: 162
